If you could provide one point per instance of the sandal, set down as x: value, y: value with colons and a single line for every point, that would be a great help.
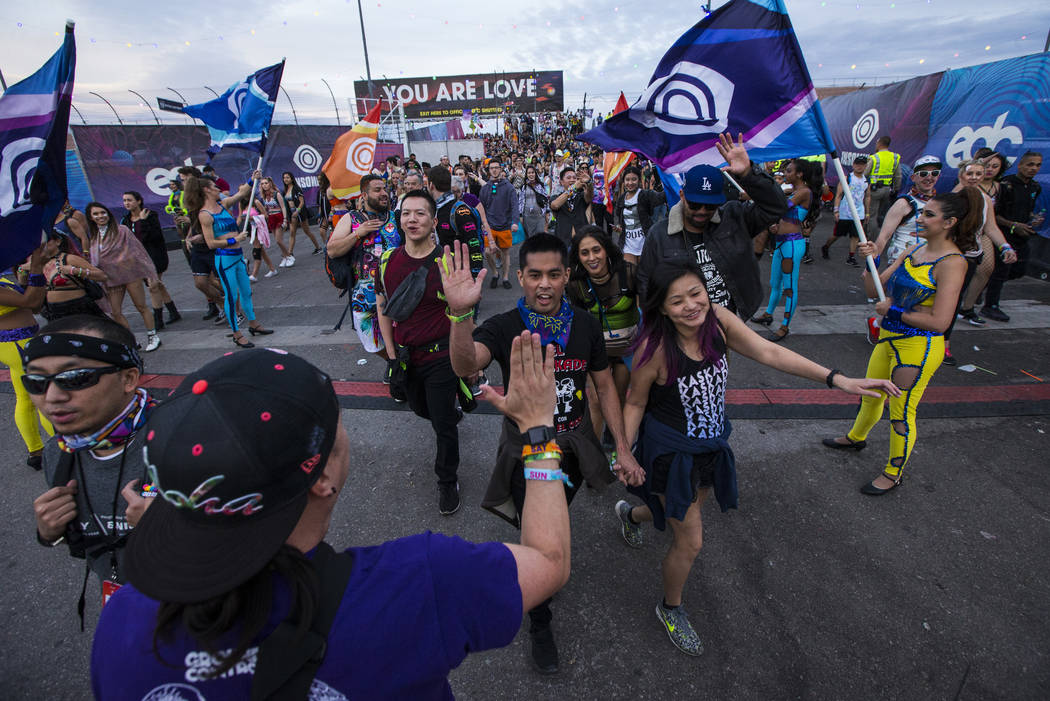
x: 242, y: 342
x: 779, y: 335
x: 852, y: 445
x: 765, y: 319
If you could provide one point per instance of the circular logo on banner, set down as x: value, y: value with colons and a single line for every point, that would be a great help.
x: 307, y: 158
x: 18, y: 162
x: 865, y: 129
x: 690, y: 99
x: 360, y: 156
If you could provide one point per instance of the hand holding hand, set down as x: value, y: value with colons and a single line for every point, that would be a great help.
x: 1009, y: 256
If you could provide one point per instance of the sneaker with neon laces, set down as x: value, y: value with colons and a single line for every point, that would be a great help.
x: 632, y: 532
x: 679, y: 630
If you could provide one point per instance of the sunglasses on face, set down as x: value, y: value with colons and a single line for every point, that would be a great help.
x: 927, y: 173
x: 67, y: 380
x: 701, y: 206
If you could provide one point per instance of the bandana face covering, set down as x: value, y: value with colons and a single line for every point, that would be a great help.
x: 118, y: 431
x: 554, y: 328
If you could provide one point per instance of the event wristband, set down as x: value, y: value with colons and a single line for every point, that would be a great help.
x: 1005, y: 246
x: 551, y: 446
x: 231, y: 241
x: 1012, y: 227
x: 37, y: 280
x: 457, y: 319
x: 830, y: 379
x: 894, y: 314
x: 542, y: 475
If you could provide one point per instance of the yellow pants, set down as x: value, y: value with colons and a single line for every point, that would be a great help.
x: 25, y: 415
x: 909, y: 361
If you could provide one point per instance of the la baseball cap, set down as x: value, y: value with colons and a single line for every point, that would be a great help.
x: 704, y: 185
x: 231, y: 455
x: 927, y: 160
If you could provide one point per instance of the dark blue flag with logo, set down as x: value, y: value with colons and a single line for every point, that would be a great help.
x: 240, y: 117
x: 34, y: 119
x: 739, y: 70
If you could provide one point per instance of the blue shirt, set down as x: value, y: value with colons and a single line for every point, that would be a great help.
x: 413, y: 610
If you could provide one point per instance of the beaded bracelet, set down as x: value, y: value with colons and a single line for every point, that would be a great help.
x: 457, y: 319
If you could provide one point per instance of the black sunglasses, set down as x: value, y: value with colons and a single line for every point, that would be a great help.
x: 67, y: 380
x: 694, y: 205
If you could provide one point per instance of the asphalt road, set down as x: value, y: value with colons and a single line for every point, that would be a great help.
x: 810, y: 590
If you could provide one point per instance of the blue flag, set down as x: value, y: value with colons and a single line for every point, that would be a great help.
x: 739, y: 70
x: 34, y: 119
x: 240, y: 117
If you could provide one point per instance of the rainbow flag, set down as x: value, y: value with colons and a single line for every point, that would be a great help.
x: 615, y: 162
x: 352, y: 156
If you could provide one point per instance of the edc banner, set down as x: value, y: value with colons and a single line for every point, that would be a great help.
x: 146, y: 158
x: 482, y: 93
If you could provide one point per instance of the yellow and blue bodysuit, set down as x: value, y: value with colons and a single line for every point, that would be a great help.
x: 906, y: 355
x: 11, y: 342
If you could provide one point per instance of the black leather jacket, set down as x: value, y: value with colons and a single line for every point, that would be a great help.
x: 728, y: 240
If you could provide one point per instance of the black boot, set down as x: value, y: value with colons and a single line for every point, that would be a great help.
x: 173, y: 313
x: 544, y: 651
x: 213, y: 311
x: 158, y: 319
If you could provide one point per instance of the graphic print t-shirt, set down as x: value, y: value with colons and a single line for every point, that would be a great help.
x: 713, y: 280
x: 585, y: 352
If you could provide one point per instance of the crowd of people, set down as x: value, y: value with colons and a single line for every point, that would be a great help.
x: 614, y: 363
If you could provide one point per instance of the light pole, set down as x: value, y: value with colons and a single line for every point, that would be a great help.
x: 364, y: 45
x: 334, y: 103
x: 121, y: 121
x: 294, y: 115
x: 145, y: 102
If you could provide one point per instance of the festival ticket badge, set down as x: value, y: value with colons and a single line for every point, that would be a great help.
x: 109, y: 588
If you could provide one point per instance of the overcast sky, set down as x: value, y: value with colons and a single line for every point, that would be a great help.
x: 603, y: 46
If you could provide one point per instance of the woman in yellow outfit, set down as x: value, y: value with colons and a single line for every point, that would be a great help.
x: 17, y: 325
x: 922, y: 289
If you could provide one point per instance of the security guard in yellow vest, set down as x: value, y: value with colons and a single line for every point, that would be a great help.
x: 884, y: 174
x: 176, y: 208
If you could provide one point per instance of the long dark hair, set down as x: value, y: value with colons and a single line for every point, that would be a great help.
x: 92, y: 226
x: 658, y: 330
x: 296, y: 190
x: 247, y: 607
x: 613, y: 254
x: 967, y: 206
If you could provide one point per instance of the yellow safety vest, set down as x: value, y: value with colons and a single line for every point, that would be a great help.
x: 173, y: 208
x: 883, y: 165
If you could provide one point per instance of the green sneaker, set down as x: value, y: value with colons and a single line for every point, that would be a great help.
x: 632, y: 533
x: 679, y: 630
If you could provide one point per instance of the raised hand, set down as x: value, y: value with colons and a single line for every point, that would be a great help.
x: 462, y: 290
x: 735, y: 155
x: 530, y: 400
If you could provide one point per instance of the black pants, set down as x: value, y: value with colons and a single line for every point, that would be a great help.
x: 971, y: 268
x: 1006, y: 271
x: 540, y: 617
x: 600, y: 215
x: 431, y: 390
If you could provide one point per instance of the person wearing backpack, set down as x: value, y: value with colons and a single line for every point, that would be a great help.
x: 233, y: 592
x: 415, y: 323
x: 455, y: 219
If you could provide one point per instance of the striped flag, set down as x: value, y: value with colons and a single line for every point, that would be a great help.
x: 615, y: 162
x: 352, y: 156
x: 739, y: 70
x: 34, y: 119
x: 240, y: 117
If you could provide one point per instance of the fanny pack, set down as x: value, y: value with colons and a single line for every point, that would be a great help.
x: 403, y: 301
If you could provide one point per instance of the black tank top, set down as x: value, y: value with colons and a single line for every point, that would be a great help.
x: 694, y: 404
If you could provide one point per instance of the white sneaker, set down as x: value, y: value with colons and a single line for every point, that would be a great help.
x: 271, y: 273
x: 291, y: 261
x: 283, y: 263
x: 152, y: 341
x: 253, y: 278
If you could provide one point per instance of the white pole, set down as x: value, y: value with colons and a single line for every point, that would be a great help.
x: 251, y: 201
x: 732, y: 182
x: 869, y: 260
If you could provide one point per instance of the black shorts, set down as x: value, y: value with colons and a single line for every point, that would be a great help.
x: 700, y: 477
x: 845, y: 227
x: 202, y: 262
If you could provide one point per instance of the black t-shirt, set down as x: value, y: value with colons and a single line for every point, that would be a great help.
x: 572, y: 215
x: 585, y: 353
x: 717, y: 290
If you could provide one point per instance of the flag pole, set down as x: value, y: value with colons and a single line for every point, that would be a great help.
x: 251, y: 200
x: 869, y: 260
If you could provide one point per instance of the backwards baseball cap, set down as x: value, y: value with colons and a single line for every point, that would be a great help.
x: 927, y: 160
x: 231, y: 454
x: 703, y: 185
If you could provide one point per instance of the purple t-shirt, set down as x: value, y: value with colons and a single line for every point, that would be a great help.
x: 414, y: 609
